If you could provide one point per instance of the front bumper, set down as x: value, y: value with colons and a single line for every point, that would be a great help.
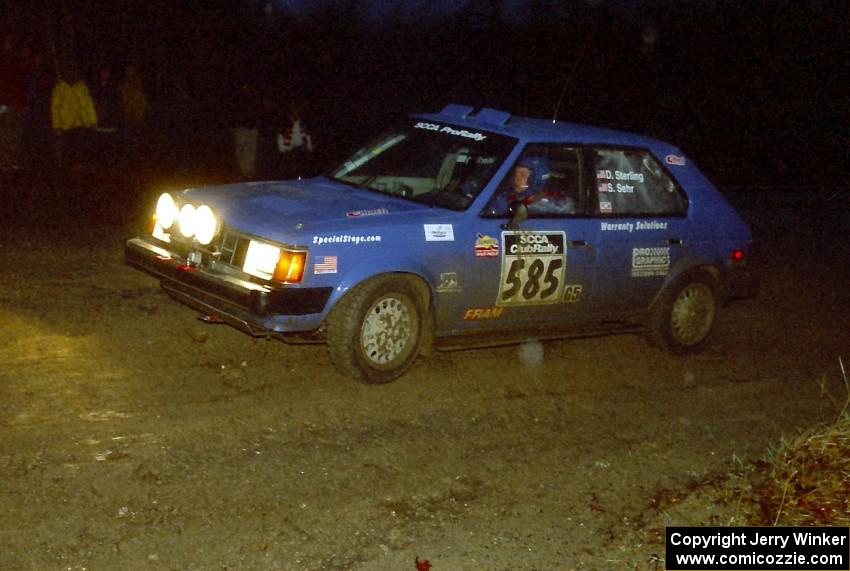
x: 255, y: 308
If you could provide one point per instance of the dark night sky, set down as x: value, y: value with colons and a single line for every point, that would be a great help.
x: 756, y: 91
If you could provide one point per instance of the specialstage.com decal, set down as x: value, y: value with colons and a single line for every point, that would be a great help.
x: 344, y: 239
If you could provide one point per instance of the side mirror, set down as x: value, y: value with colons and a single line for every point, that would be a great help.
x: 518, y: 213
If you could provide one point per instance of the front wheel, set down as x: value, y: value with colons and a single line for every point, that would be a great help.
x: 375, y: 330
x: 684, y: 316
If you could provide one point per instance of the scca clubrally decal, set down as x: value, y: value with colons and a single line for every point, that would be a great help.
x: 533, y: 265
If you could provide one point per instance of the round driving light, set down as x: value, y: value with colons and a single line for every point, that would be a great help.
x: 166, y: 210
x: 187, y: 220
x: 205, y: 224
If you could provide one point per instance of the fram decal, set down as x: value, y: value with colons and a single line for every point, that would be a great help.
x: 482, y: 313
x: 675, y: 160
x: 372, y: 212
x: 439, y: 233
x: 650, y: 261
x: 486, y: 246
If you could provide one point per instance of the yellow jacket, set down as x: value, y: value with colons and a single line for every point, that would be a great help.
x: 71, y: 106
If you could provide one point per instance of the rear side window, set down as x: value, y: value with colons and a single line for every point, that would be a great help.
x: 632, y: 183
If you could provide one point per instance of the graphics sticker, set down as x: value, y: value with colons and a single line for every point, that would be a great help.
x: 486, y: 246
x: 439, y: 233
x: 648, y: 262
x: 605, y: 207
x: 449, y: 282
x: 675, y: 160
x: 372, y: 212
x: 482, y: 313
x: 325, y: 265
x: 533, y: 265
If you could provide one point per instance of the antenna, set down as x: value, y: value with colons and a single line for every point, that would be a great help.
x: 567, y: 81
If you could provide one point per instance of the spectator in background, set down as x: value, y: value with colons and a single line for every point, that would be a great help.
x: 134, y: 106
x: 107, y: 103
x: 73, y: 117
x: 106, y: 100
x: 269, y: 120
x: 246, y: 133
x: 37, y: 138
x: 295, y: 145
x: 13, y: 102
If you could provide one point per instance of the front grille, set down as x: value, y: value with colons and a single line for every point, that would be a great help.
x: 233, y: 248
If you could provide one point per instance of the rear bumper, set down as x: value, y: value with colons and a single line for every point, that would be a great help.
x: 254, y: 308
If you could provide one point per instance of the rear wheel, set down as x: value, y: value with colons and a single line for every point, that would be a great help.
x: 683, y: 317
x: 375, y: 330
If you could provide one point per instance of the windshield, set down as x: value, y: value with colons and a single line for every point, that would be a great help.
x: 435, y: 164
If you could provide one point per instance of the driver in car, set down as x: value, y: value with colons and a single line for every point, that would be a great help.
x: 529, y: 185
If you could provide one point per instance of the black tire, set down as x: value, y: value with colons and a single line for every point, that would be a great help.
x: 683, y: 317
x: 359, y: 343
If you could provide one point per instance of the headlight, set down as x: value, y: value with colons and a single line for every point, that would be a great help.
x: 272, y: 263
x: 186, y: 221
x: 205, y: 224
x: 166, y: 211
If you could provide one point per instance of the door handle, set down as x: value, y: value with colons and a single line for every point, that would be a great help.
x: 674, y: 242
x: 577, y: 244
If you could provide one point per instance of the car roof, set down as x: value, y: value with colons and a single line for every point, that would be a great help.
x: 539, y: 130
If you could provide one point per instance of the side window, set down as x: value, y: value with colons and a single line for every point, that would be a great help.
x: 632, y: 183
x: 545, y: 178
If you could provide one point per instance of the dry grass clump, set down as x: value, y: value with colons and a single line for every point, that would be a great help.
x: 806, y: 480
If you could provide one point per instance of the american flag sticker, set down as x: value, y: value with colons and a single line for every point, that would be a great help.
x: 325, y: 265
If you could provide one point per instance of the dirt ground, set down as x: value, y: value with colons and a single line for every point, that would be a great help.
x: 132, y: 436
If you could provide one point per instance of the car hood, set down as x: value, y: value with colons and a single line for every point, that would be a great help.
x: 285, y: 210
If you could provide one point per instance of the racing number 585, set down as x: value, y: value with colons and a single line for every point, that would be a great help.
x: 529, y: 284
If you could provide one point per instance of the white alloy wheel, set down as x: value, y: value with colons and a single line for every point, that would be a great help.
x: 692, y: 315
x: 387, y: 334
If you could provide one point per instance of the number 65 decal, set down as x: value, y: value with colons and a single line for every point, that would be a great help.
x: 533, y: 265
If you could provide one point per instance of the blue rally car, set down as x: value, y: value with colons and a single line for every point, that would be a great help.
x: 461, y: 228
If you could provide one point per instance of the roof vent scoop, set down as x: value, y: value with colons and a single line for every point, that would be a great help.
x: 458, y: 111
x: 493, y: 116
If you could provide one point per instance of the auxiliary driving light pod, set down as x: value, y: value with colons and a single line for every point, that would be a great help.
x: 186, y: 221
x: 205, y: 224
x: 166, y: 211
